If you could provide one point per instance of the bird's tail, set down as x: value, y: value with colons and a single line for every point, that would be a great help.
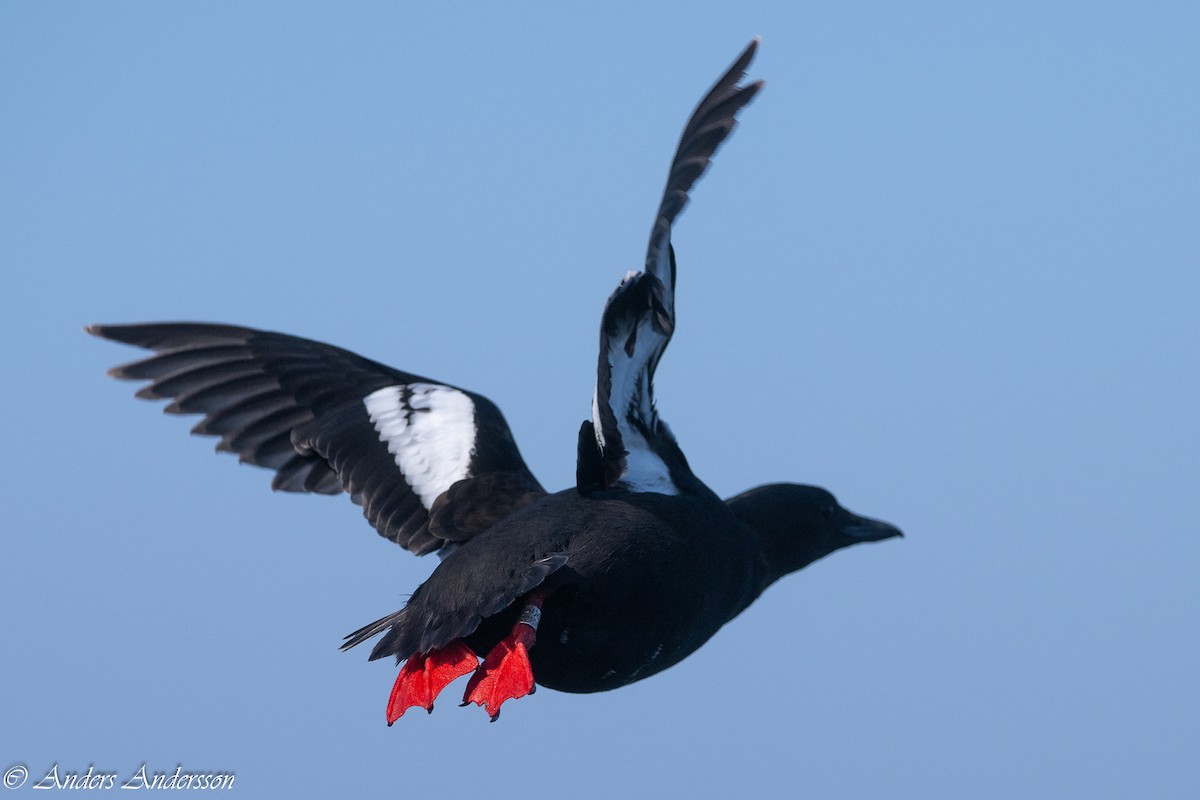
x: 374, y: 629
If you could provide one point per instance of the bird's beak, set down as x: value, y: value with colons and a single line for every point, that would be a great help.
x: 864, y: 529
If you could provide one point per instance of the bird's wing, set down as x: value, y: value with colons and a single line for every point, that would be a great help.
x: 430, y: 464
x: 640, y: 316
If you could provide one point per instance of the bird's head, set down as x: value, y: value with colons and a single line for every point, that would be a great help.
x: 800, y: 524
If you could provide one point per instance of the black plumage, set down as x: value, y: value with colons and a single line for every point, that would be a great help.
x: 295, y: 406
x: 621, y: 576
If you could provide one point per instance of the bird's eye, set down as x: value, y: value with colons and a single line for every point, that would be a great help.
x: 829, y: 511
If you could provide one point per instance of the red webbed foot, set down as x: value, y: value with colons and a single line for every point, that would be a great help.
x: 424, y: 675
x: 506, y: 673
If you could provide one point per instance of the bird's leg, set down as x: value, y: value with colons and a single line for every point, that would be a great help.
x: 506, y: 673
x: 425, y: 674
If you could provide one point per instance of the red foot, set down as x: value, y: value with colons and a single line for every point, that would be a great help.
x: 423, y: 676
x: 506, y: 673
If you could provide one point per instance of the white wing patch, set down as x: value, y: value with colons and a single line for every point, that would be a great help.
x: 630, y: 398
x: 430, y: 429
x: 644, y: 470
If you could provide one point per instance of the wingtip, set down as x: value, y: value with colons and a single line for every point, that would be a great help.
x: 115, y: 333
x: 748, y: 54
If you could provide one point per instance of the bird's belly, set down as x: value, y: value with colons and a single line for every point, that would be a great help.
x: 597, y: 647
x: 597, y: 666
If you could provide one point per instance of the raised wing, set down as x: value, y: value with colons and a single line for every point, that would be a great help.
x: 634, y: 445
x: 429, y: 463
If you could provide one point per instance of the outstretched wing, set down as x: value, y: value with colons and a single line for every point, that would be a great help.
x: 429, y: 463
x: 640, y: 316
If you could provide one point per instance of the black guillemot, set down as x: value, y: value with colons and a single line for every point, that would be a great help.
x: 583, y: 590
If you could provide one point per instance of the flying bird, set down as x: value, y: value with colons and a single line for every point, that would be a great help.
x: 584, y: 590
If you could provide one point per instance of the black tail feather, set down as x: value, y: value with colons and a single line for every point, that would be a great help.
x: 369, y: 631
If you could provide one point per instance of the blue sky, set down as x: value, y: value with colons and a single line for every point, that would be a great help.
x: 948, y: 267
